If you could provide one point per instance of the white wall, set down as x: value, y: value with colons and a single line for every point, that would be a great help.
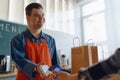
x: 4, y: 9
x: 78, y: 28
x: 116, y: 11
x: 83, y: 1
x: 64, y: 41
x: 113, y: 24
x: 16, y: 11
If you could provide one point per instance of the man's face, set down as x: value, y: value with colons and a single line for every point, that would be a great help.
x: 36, y: 19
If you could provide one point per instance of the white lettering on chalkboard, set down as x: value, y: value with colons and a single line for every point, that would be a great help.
x: 7, y: 27
x: 13, y: 28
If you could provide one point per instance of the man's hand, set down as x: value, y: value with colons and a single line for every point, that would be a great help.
x: 48, y: 77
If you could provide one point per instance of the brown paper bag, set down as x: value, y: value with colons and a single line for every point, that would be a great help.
x: 83, y: 56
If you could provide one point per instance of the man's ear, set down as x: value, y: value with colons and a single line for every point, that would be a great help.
x: 44, y: 20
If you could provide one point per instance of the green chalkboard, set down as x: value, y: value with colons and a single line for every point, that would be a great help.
x: 7, y: 31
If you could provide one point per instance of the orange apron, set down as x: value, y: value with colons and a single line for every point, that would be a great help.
x: 37, y: 53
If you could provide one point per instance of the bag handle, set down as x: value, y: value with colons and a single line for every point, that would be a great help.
x: 76, y: 38
x: 89, y: 41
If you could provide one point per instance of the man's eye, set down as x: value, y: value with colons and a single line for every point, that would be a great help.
x: 37, y: 15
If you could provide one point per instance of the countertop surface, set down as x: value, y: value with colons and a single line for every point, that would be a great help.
x: 9, y: 74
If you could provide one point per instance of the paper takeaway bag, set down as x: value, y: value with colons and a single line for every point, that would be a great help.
x: 83, y: 56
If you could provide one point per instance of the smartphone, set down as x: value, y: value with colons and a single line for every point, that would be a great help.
x: 45, y: 70
x: 55, y: 68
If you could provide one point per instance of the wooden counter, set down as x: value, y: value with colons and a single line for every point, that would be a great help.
x: 2, y: 75
x: 116, y: 78
x: 9, y: 74
x: 112, y: 77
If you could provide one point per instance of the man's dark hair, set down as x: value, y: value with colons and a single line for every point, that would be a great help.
x: 29, y: 8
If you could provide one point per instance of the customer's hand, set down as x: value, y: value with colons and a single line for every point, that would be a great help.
x: 66, y: 76
x: 62, y: 75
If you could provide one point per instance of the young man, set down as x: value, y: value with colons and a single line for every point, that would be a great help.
x: 33, y: 47
x: 95, y: 72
